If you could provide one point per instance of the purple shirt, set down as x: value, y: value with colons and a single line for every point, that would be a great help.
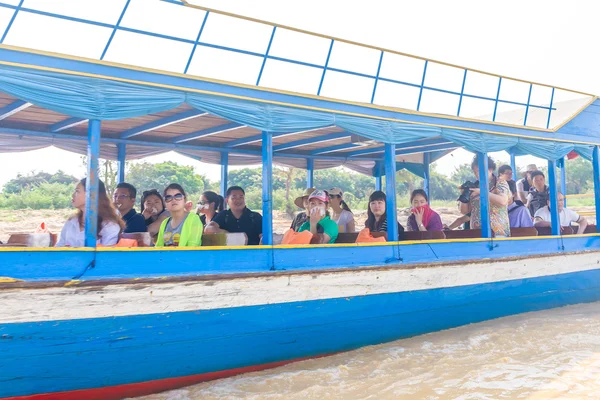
x: 434, y: 224
x: 519, y: 216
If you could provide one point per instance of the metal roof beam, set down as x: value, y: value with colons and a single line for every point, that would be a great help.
x: 161, y: 123
x: 335, y: 148
x: 408, y: 145
x: 427, y: 149
x: 13, y: 108
x: 258, y: 138
x: 66, y: 124
x: 318, y: 139
x: 207, y: 132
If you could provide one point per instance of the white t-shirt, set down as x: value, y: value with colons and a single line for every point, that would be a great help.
x: 566, y: 216
x: 344, y: 219
x: 72, y: 235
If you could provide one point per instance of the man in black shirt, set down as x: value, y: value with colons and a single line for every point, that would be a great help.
x: 124, y: 200
x: 237, y: 218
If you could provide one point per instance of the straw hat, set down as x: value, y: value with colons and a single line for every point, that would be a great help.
x: 529, y: 168
x: 300, y: 200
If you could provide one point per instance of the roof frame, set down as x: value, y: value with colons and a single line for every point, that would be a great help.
x: 318, y: 139
x: 67, y: 124
x: 409, y: 145
x: 331, y: 149
x: 162, y: 122
x: 258, y: 138
x: 215, y: 130
x: 13, y: 108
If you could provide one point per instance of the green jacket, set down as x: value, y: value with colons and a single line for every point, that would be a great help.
x: 191, y: 232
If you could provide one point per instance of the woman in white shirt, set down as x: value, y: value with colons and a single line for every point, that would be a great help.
x: 341, y: 214
x: 110, y: 224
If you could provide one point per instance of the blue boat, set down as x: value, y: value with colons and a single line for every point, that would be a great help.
x: 109, y: 323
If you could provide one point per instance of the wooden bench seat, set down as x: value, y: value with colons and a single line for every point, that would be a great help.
x: 225, y: 239
x: 547, y: 231
x: 32, y: 239
x: 463, y: 234
x: 523, y: 232
x: 424, y: 235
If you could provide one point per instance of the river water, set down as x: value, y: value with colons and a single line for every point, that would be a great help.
x: 553, y: 354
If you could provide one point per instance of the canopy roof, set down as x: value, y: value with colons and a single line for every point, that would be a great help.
x: 322, y: 98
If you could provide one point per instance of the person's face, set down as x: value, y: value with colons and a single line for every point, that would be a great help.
x: 305, y: 202
x: 316, y: 203
x: 561, y: 202
x: 539, y: 182
x: 419, y: 201
x: 153, y: 204
x: 78, y: 198
x: 236, y: 201
x: 122, y: 199
x: 529, y: 178
x: 507, y: 175
x: 377, y: 207
x: 174, y: 200
x: 475, y: 169
x: 204, y: 206
x: 335, y: 199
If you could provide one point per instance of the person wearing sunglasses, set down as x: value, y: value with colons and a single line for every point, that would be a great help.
x: 209, y: 205
x: 182, y: 228
x: 341, y: 213
x: 124, y: 200
x: 238, y: 218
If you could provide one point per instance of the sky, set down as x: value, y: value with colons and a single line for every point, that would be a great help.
x: 552, y: 42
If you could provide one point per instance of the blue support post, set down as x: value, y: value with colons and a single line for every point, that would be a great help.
x: 121, y: 155
x: 513, y: 165
x: 553, y: 197
x: 426, y: 176
x: 390, y: 187
x: 563, y: 179
x: 224, y: 170
x: 378, y: 176
x: 91, y: 187
x: 596, y: 164
x: 267, y: 188
x: 482, y: 162
x: 310, y: 172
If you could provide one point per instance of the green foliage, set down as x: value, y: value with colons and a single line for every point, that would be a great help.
x: 42, y: 196
x: 145, y: 176
x: 34, y: 180
x: 579, y: 176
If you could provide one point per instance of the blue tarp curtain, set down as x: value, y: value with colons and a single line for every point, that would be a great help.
x: 104, y: 99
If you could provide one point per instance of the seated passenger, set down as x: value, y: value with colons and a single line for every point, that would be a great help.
x: 154, y: 211
x: 238, y: 218
x: 182, y: 228
x: 124, y: 200
x: 422, y: 218
x: 538, y: 195
x: 319, y: 223
x: 525, y: 184
x: 505, y: 172
x: 109, y: 223
x: 518, y: 214
x: 342, y: 215
x: 377, y: 215
x: 567, y: 216
x: 464, y: 220
x: 209, y: 205
x: 302, y: 203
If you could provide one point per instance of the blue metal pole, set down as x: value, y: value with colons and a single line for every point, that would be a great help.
x: 267, y: 187
x: 563, y: 179
x: 596, y: 165
x: 513, y: 164
x: 91, y: 187
x: 422, y: 84
x: 224, y: 171
x: 390, y: 187
x: 482, y: 162
x: 553, y: 197
x: 497, y: 98
x: 550, y: 109
x: 121, y: 155
x: 426, y: 176
x: 378, y: 176
x: 462, y: 91
x: 310, y: 172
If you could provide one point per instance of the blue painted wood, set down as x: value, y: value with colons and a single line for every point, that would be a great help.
x: 562, y: 163
x: 332, y: 149
x: 586, y: 123
x: 596, y: 165
x: 91, y: 187
x: 550, y: 110
x: 267, y: 188
x: 206, y: 132
x: 390, y: 187
x: 497, y: 98
x: 422, y: 85
x: 513, y: 165
x: 112, y: 35
x: 11, y: 55
x: 416, y: 144
x: 262, y: 67
x: 426, y: 177
x: 12, y: 20
x: 377, y: 77
x: 378, y: 173
x: 224, y: 172
x: 482, y: 162
x: 325, y: 68
x: 528, y: 103
x: 191, y: 57
x: 462, y: 93
x: 121, y: 156
x: 66, y: 124
x: 13, y: 108
x: 428, y: 148
x: 553, y: 187
x: 186, y: 343
x: 318, y: 139
x: 253, y: 139
x: 161, y: 123
x: 310, y: 170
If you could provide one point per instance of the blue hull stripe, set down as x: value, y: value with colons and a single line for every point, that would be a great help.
x: 77, y: 354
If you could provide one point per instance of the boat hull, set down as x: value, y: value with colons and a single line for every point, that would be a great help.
x: 111, y: 340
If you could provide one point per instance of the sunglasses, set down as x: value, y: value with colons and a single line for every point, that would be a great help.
x: 169, y: 198
x: 333, y: 196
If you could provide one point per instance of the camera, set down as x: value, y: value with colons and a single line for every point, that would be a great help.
x: 466, y: 187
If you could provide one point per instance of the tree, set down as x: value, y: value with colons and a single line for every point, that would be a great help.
x: 33, y: 180
x: 145, y: 176
x: 580, y: 176
x: 462, y: 173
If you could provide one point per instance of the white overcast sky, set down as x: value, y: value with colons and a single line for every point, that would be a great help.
x: 551, y: 42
